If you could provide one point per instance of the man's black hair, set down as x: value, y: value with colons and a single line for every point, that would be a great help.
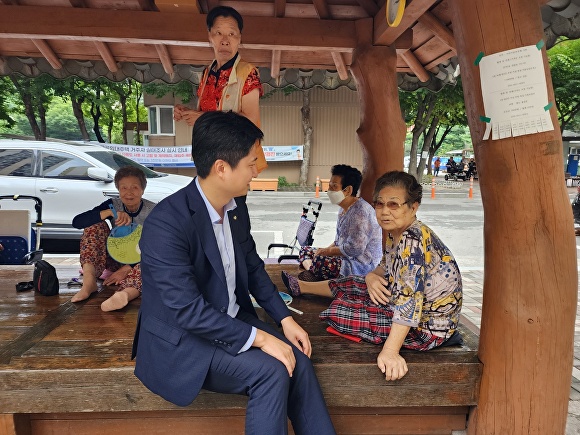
x: 223, y: 136
x: 349, y: 177
x: 224, y: 11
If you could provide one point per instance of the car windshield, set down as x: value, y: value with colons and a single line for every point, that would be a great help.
x: 117, y: 161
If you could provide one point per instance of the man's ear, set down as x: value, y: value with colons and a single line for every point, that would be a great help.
x: 220, y: 167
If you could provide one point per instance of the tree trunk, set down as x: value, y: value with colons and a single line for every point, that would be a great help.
x: 530, y: 280
x: 78, y: 114
x: 424, y: 113
x: 123, y: 101
x: 427, y: 140
x: 42, y: 116
x: 28, y: 108
x: 96, y: 114
x: 138, y: 132
x: 382, y: 128
x: 307, y: 131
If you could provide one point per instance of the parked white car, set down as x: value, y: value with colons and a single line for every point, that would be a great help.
x: 69, y: 179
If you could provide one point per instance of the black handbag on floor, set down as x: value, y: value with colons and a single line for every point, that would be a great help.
x: 44, y: 278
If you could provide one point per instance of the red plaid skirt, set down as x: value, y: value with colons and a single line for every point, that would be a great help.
x: 352, y: 312
x: 94, y: 251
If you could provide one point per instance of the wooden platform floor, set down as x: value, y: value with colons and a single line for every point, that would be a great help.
x: 66, y: 366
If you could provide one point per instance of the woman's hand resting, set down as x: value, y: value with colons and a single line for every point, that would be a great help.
x: 392, y: 364
x: 377, y: 288
x: 119, y: 275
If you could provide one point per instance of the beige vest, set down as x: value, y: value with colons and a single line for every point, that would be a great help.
x: 232, y: 94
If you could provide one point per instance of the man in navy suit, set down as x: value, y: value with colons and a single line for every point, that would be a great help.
x: 197, y: 327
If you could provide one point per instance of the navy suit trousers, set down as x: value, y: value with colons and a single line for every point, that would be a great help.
x: 274, y: 396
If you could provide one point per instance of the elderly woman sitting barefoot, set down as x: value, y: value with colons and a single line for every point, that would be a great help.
x: 130, y: 208
x: 412, y: 299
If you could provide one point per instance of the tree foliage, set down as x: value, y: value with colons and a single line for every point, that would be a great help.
x: 432, y: 117
x: 564, y: 60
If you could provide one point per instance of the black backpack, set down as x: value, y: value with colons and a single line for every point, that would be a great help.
x: 44, y: 278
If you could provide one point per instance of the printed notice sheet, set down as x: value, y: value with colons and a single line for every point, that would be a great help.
x: 515, y: 94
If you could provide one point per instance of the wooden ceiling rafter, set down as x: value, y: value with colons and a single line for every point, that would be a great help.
x: 47, y: 52
x: 279, y: 8
x: 275, y: 65
x: 439, y: 29
x: 415, y: 65
x: 322, y: 9
x: 9, y: 2
x: 149, y: 5
x: 165, y: 59
x: 341, y: 68
x: 77, y: 3
x: 369, y: 6
x: 106, y: 55
x: 386, y: 35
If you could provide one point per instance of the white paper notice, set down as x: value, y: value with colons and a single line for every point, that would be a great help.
x: 515, y: 93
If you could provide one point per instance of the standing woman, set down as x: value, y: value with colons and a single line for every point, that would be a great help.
x: 229, y: 83
x: 130, y: 207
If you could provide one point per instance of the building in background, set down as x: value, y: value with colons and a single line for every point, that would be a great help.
x: 334, y: 117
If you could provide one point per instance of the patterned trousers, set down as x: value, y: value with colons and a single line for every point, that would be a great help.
x: 94, y: 251
x: 322, y: 267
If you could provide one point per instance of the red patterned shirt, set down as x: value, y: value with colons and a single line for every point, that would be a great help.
x: 217, y: 80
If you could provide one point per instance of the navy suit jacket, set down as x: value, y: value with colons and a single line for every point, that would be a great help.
x: 183, y: 316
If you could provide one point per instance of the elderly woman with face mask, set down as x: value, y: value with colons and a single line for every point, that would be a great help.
x: 356, y: 249
x: 229, y: 83
x: 413, y: 298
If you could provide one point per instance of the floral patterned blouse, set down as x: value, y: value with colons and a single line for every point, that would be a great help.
x: 217, y: 81
x: 428, y: 292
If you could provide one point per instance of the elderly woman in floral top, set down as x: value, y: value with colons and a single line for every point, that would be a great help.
x: 413, y: 298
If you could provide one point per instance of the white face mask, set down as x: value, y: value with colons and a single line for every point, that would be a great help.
x: 335, y: 196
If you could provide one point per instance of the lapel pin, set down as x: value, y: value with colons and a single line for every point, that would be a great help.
x: 235, y: 217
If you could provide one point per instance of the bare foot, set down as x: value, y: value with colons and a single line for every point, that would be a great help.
x: 88, y: 288
x: 119, y: 300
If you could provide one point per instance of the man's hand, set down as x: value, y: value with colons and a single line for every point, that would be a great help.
x: 377, y: 288
x: 184, y: 113
x: 298, y: 336
x: 392, y: 364
x: 277, y: 348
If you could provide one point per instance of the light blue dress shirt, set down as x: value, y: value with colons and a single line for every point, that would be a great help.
x: 223, y: 236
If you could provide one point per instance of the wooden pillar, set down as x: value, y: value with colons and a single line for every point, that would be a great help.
x: 530, y: 280
x: 13, y: 424
x: 382, y: 128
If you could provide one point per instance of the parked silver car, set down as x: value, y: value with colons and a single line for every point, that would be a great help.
x: 69, y: 179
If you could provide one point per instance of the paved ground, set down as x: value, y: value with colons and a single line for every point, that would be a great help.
x: 470, y: 259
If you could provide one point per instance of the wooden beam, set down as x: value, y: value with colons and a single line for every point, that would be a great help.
x: 212, y: 4
x: 150, y: 5
x: 77, y: 3
x: 275, y: 67
x: 279, y: 8
x: 177, y: 5
x: 340, y: 66
x: 369, y: 6
x: 405, y: 41
x: 322, y: 9
x: 9, y: 2
x: 171, y: 28
x: 385, y: 35
x: 107, y: 56
x: 416, y: 66
x: 165, y: 58
x: 48, y: 53
x: 439, y: 29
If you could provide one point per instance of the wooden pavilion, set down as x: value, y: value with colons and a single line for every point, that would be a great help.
x: 530, y: 257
